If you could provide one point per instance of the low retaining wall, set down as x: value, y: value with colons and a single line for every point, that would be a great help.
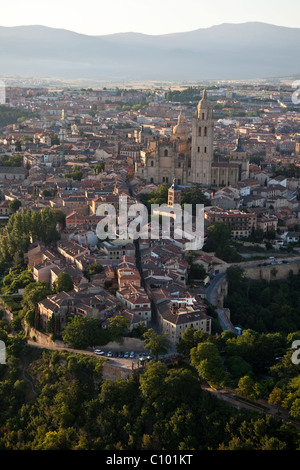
x: 273, y: 272
x: 42, y: 338
x: 128, y: 344
x: 111, y: 372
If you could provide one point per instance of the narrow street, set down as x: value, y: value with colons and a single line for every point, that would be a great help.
x: 211, y: 295
x: 212, y: 288
x: 154, y: 323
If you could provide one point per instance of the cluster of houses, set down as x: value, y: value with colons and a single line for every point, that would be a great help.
x: 147, y: 282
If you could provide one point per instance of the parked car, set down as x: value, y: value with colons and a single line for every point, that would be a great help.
x: 121, y: 354
x: 126, y: 354
x: 109, y: 354
x: 99, y: 352
x: 132, y: 355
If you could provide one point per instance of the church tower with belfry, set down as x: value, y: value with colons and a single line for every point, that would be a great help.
x: 202, y: 151
x: 174, y: 194
x: 188, y: 155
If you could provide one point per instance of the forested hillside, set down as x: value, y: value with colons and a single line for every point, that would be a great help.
x: 59, y: 401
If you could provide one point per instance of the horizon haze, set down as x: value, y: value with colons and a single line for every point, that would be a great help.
x: 251, y: 50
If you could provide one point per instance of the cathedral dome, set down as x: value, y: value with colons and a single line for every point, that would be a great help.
x: 181, y: 130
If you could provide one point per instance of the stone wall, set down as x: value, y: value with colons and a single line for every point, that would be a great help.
x: 128, y: 344
x: 42, y: 338
x: 112, y: 372
x: 222, y: 291
x: 272, y: 272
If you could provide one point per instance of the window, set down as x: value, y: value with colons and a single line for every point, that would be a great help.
x: 200, y: 130
x: 198, y: 149
x: 205, y: 131
x: 166, y: 153
x: 205, y: 149
x: 152, y: 163
x: 202, y: 115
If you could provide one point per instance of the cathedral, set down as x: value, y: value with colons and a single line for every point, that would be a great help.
x: 188, y: 156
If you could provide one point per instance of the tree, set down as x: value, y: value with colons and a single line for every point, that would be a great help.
x: 246, y: 387
x: 152, y: 381
x: 46, y: 193
x: 92, y: 269
x: 16, y: 279
x: 29, y: 318
x: 63, y: 283
x: 75, y: 174
x: 81, y: 332
x: 235, y: 278
x: 15, y: 160
x: 48, y: 232
x: 207, y: 360
x: 235, y: 275
x: 34, y: 293
x: 197, y: 271
x: 238, y: 367
x: 59, y: 217
x: 14, y: 205
x: 118, y: 325
x: 54, y: 141
x: 99, y: 167
x: 18, y: 146
x: 228, y: 254
x: 157, y: 344
x: 276, y: 396
x: 218, y: 235
x: 295, y: 408
x: 194, y: 196
x: 190, y: 338
x: 160, y: 196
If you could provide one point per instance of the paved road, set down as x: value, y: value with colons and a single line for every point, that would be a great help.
x: 126, y: 363
x: 211, y: 291
x: 211, y: 295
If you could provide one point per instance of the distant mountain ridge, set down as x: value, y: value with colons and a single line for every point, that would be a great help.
x: 226, y: 51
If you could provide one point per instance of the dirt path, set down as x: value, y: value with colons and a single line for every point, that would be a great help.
x: 261, y: 406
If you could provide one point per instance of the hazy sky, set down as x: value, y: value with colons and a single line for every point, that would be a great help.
x: 152, y: 17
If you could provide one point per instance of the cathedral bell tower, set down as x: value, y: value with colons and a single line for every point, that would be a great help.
x: 202, y: 152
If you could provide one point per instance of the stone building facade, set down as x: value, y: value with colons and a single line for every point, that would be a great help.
x: 188, y: 154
